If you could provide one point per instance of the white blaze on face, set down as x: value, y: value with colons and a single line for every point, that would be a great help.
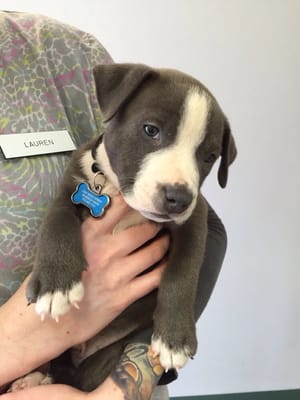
x: 175, y: 164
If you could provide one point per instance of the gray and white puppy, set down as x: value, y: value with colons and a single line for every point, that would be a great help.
x: 163, y: 132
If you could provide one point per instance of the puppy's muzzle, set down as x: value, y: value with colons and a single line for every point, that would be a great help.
x: 175, y: 199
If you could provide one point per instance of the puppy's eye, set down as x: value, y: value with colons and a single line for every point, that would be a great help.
x: 151, y: 131
x: 211, y: 158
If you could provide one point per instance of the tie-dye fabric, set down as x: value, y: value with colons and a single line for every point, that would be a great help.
x: 46, y: 84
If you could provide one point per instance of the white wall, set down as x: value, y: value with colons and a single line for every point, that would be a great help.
x: 247, y: 53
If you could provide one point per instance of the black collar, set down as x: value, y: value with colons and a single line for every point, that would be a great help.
x: 95, y: 166
x: 95, y: 146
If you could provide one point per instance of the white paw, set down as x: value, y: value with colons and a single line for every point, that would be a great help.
x: 30, y: 380
x: 58, y: 303
x: 169, y: 358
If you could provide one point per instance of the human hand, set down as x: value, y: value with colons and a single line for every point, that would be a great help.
x: 114, y: 262
x: 111, y: 284
x: 108, y: 390
x: 46, y: 392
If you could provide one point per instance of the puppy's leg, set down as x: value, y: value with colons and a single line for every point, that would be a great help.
x: 55, y: 283
x: 110, y: 342
x: 174, y: 337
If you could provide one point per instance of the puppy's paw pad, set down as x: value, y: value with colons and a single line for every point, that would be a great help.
x: 58, y: 303
x: 170, y: 358
x: 30, y: 380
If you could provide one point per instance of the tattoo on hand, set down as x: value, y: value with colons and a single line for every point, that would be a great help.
x: 137, y: 372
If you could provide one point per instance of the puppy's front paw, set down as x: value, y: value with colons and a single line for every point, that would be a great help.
x: 59, y: 302
x: 170, y: 358
x: 53, y: 298
x: 175, y: 343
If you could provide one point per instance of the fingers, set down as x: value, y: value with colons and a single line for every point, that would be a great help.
x: 134, y: 237
x: 124, y: 242
x: 144, y: 284
x: 145, y: 257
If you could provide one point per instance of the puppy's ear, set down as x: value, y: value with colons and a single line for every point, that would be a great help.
x: 228, y: 155
x: 116, y: 83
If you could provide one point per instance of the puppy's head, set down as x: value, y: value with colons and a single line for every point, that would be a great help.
x: 163, y: 133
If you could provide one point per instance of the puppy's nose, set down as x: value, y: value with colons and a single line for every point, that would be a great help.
x: 177, y: 198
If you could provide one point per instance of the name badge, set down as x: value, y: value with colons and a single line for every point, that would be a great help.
x: 16, y: 145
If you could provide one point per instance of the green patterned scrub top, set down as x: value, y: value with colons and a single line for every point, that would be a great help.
x: 46, y: 84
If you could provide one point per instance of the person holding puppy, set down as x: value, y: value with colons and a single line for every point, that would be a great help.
x: 47, y: 85
x: 26, y: 342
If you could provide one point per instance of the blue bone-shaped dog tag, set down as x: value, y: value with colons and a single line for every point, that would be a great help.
x: 94, y: 201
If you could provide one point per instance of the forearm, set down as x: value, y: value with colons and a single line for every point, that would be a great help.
x: 134, y: 378
x: 25, y: 341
